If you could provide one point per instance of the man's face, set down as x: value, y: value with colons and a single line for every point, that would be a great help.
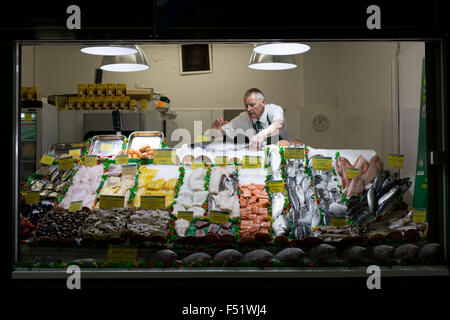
x: 254, y: 106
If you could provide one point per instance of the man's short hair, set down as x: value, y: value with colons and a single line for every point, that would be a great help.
x: 255, y: 91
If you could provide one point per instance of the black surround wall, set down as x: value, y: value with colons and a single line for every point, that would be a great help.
x: 206, y: 21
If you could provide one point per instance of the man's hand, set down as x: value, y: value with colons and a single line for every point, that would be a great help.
x: 218, y: 123
x: 256, y: 142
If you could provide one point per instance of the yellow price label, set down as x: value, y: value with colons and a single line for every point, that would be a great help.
x: 294, y: 153
x: 251, y: 162
x: 75, y: 153
x: 120, y: 254
x: 28, y: 117
x: 276, y: 186
x: 153, y: 202
x: 197, y: 164
x: 396, y: 160
x: 219, y: 217
x: 66, y: 163
x: 76, y: 205
x: 202, y: 138
x: 338, y: 222
x: 351, y: 173
x: 164, y: 156
x: 186, y: 215
x: 90, y: 161
x: 122, y: 159
x: 32, y: 197
x: 221, y: 161
x: 129, y: 169
x: 47, y: 159
x: 322, y: 163
x: 419, y: 215
x: 109, y: 202
x: 106, y: 147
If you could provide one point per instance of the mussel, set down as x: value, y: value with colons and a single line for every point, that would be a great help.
x: 55, y: 175
x: 37, y: 185
x: 59, y: 187
x: 66, y: 174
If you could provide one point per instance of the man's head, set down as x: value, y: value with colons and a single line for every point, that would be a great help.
x: 254, y: 103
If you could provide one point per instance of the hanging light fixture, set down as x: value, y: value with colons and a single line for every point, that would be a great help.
x: 111, y: 50
x: 126, y: 63
x: 261, y: 61
x: 279, y: 48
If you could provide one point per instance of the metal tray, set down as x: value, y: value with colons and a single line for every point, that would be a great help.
x: 140, y: 139
x: 116, y: 142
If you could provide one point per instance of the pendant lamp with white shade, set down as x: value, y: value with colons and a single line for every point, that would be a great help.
x: 126, y: 63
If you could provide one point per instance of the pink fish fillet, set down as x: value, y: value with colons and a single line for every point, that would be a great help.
x: 356, y: 187
x: 375, y: 167
x: 362, y: 164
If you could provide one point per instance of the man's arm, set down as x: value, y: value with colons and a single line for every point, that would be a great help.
x: 275, y: 128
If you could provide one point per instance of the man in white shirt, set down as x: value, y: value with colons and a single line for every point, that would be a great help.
x: 259, y: 121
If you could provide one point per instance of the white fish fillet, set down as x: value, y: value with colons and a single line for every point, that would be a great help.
x: 199, y: 197
x: 277, y: 204
x: 181, y: 227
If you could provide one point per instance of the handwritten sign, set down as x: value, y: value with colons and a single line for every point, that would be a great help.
x: 251, y: 162
x: 75, y: 153
x: 66, y: 163
x: 219, y: 217
x: 197, y: 164
x: 32, y: 197
x: 76, y: 205
x: 47, y: 159
x: 396, y: 160
x: 294, y: 153
x: 122, y: 159
x: 221, y: 161
x: 276, y: 186
x: 351, y: 173
x: 109, y: 202
x: 164, y: 156
x: 322, y: 163
x: 186, y: 215
x: 153, y: 202
x: 338, y: 222
x: 129, y: 169
x: 90, y: 161
x: 419, y: 215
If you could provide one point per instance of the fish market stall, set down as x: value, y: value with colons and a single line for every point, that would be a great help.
x: 290, y: 207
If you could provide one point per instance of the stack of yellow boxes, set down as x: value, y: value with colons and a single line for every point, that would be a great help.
x: 101, y: 96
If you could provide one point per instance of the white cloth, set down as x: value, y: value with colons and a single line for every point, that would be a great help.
x: 243, y: 124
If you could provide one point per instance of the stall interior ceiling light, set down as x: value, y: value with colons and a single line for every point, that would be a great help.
x: 125, y: 63
x: 260, y: 61
x: 110, y: 50
x: 280, y: 48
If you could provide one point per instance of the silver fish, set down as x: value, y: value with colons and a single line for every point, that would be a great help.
x: 401, y: 222
x: 389, y: 204
x: 393, y: 177
x: 371, y: 200
x: 275, y: 164
x: 277, y: 204
x: 300, y: 195
x: 379, y: 179
x: 281, y: 226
